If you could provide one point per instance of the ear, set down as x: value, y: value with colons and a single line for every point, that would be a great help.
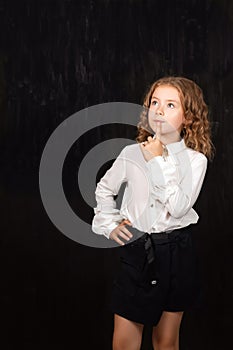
x: 183, y: 122
x: 183, y: 125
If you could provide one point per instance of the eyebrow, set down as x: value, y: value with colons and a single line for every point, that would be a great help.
x: 154, y: 97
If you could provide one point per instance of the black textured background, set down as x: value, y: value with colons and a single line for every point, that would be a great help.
x: 57, y: 57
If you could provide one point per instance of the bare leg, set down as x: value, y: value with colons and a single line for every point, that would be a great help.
x: 127, y: 334
x: 165, y: 335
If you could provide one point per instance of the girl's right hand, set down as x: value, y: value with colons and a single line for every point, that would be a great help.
x: 121, y: 231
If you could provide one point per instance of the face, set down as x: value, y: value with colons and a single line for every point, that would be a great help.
x: 166, y: 108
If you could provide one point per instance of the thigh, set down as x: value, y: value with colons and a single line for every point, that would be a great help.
x: 139, y: 290
x: 127, y: 334
x: 166, y: 332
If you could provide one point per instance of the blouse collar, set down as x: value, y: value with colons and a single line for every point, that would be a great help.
x: 176, y: 147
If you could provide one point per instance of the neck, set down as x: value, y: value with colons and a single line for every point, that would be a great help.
x: 170, y: 138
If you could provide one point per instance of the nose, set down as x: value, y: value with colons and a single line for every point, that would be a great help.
x: 160, y: 111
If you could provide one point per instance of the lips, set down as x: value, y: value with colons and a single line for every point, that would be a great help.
x: 160, y: 121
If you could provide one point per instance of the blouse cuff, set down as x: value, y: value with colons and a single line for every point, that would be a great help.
x: 105, y: 220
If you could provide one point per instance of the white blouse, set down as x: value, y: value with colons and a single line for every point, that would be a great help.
x: 159, y: 193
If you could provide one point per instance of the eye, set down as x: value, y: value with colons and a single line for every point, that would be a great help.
x: 154, y: 103
x: 171, y: 105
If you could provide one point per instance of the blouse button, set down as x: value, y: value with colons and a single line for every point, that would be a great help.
x: 152, y: 205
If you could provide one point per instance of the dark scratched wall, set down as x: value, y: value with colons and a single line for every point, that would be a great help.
x: 56, y: 58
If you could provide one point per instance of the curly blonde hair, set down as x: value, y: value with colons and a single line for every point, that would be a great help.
x: 196, y: 132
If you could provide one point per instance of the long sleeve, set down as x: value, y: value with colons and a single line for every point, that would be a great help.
x: 177, y: 193
x: 107, y: 217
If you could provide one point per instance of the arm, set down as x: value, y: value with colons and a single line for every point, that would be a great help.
x: 178, y: 195
x: 107, y: 217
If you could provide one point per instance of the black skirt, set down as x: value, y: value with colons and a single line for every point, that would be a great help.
x: 158, y: 272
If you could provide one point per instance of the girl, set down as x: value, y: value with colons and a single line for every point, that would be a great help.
x: 164, y: 171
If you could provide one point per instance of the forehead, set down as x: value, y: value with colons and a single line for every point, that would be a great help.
x: 166, y: 92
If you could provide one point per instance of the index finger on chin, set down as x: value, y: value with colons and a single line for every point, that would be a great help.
x: 158, y: 130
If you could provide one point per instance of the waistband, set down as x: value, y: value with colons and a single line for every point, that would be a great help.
x: 160, y: 238
x: 149, y: 242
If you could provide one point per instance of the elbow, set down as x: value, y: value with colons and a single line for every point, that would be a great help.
x: 177, y: 214
x: 177, y: 211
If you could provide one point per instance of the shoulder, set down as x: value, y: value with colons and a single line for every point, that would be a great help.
x: 196, y: 156
x: 130, y: 153
x: 131, y: 149
x: 183, y: 152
